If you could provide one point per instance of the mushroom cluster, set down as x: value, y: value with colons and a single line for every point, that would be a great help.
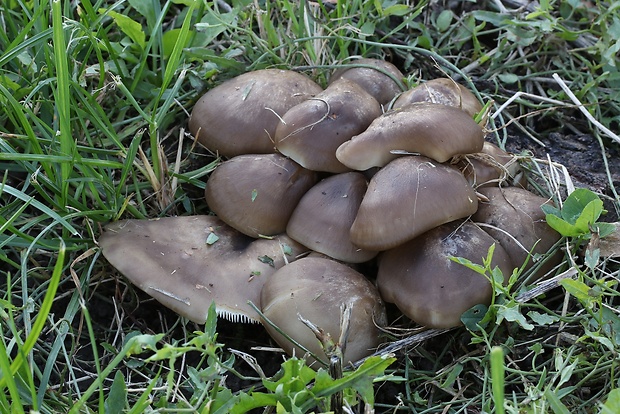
x: 358, y: 171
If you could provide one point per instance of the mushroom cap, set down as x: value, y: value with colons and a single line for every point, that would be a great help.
x: 490, y: 167
x: 312, y: 130
x: 256, y: 194
x: 431, y: 289
x: 322, y: 220
x: 240, y: 116
x: 316, y: 288
x: 186, y: 263
x: 433, y: 130
x: 443, y: 91
x: 407, y: 197
x: 515, y: 214
x: 373, y: 78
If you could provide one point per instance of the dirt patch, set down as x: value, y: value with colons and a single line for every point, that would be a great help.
x: 591, y: 164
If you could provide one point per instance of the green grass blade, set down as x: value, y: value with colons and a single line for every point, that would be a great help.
x: 62, y: 99
x: 5, y: 367
x: 497, y: 378
x: 41, y: 318
x: 40, y: 206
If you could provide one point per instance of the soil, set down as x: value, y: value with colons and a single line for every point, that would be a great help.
x: 584, y: 159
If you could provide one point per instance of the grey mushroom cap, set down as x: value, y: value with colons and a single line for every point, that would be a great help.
x: 311, y: 131
x: 378, y: 77
x: 187, y: 263
x: 444, y: 91
x: 407, y: 197
x: 490, y: 167
x: 315, y: 289
x: 240, y: 116
x: 513, y: 216
x: 431, y: 289
x: 323, y: 218
x: 257, y: 193
x: 433, y: 130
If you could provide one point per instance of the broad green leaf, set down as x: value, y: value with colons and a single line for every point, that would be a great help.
x: 604, y: 229
x: 117, y: 397
x: 590, y: 213
x: 563, y: 227
x: 542, y: 318
x: 555, y: 403
x: 575, y: 204
x: 243, y: 403
x: 474, y: 317
x: 579, y: 290
x: 509, y: 78
x: 212, y: 25
x: 145, y: 8
x: 396, y: 10
x: 455, y: 371
x: 549, y: 209
x: 444, y: 20
x: 293, y: 376
x: 362, y: 378
x: 512, y: 313
x: 170, y: 38
x: 140, y: 343
x: 129, y: 26
x: 612, y: 405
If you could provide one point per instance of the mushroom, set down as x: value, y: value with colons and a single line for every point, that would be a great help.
x: 513, y: 217
x: 430, y: 288
x: 407, y: 197
x: 186, y: 263
x: 240, y: 116
x: 316, y: 289
x: 443, y: 91
x: 322, y: 220
x: 490, y: 167
x: 311, y: 131
x: 256, y: 194
x: 379, y: 78
x: 433, y: 130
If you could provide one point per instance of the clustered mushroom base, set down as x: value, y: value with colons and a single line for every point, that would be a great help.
x: 330, y: 174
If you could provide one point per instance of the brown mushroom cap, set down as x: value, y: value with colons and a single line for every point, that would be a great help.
x: 433, y: 130
x: 256, y: 194
x: 443, y: 91
x: 431, y: 289
x: 186, y: 263
x: 518, y: 223
x: 240, y: 116
x: 407, y: 197
x: 490, y: 167
x: 373, y: 78
x: 311, y: 131
x: 316, y: 288
x: 322, y: 220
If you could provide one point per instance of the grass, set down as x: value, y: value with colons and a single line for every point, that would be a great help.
x: 95, y: 99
